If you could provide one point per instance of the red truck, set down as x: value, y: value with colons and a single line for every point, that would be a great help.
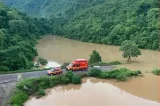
x: 78, y: 64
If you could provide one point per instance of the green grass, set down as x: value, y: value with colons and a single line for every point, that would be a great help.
x: 19, y: 98
x: 41, y: 93
x: 156, y: 71
x: 120, y: 74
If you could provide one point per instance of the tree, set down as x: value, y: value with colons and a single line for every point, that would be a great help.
x: 95, y: 57
x: 42, y: 61
x: 130, y: 49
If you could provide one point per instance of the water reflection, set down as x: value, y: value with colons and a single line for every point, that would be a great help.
x: 90, y: 94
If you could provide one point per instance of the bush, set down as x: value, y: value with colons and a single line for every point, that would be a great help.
x: 19, y: 98
x: 120, y: 74
x: 64, y: 65
x: 114, y: 63
x: 69, y: 75
x: 76, y: 79
x: 41, y: 93
x: 65, y: 80
x: 42, y: 61
x: 94, y: 72
x: 156, y: 71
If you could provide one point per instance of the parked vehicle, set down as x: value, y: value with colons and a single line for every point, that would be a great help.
x: 78, y: 64
x: 55, y: 71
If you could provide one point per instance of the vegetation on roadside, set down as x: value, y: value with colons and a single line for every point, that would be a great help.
x: 42, y: 61
x: 40, y: 93
x: 36, y: 86
x: 106, y: 64
x: 18, y: 37
x: 130, y: 49
x: 63, y: 66
x: 95, y: 57
x: 156, y: 71
x: 120, y: 74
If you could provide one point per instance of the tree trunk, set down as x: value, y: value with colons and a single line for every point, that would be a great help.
x: 129, y: 58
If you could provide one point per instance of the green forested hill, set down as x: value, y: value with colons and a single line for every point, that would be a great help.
x: 47, y: 8
x: 115, y: 21
x: 99, y: 21
x: 18, y: 35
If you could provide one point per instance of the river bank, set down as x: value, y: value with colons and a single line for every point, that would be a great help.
x: 103, y: 92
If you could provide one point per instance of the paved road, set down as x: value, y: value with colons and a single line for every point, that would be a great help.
x: 6, y: 78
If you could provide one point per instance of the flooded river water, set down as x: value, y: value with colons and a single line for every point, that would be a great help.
x: 92, y: 92
x: 141, y: 91
x: 62, y: 50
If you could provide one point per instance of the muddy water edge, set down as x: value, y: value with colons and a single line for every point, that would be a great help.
x: 62, y: 50
x: 97, y: 92
x: 65, y: 50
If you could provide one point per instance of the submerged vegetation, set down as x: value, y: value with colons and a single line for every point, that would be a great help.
x: 156, y: 71
x: 130, y: 49
x: 36, y: 86
x: 119, y: 74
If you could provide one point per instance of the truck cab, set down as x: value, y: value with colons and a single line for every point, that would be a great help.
x: 78, y: 64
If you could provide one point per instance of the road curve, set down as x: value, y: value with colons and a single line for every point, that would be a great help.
x: 6, y: 78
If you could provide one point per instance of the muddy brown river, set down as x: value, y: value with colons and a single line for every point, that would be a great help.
x: 92, y: 92
x: 141, y: 91
x: 62, y: 50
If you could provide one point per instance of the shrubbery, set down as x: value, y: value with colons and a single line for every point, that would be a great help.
x: 106, y: 64
x: 76, y: 79
x: 42, y: 61
x: 94, y: 72
x: 64, y: 65
x: 19, y: 98
x: 119, y: 74
x: 156, y: 71
x: 36, y: 86
x: 41, y: 93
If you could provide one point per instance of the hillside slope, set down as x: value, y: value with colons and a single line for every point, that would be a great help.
x: 47, y: 8
x: 18, y: 35
x: 99, y: 21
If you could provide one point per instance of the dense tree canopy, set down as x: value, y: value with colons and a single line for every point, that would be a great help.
x: 99, y: 21
x: 18, y: 34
